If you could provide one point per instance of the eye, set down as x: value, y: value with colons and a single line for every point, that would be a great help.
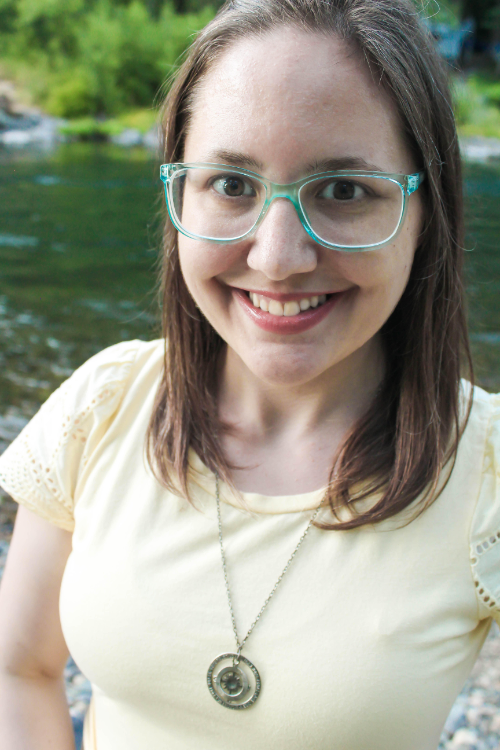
x: 342, y: 190
x: 233, y: 186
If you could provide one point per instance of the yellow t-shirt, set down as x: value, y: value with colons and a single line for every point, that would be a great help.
x: 366, y: 643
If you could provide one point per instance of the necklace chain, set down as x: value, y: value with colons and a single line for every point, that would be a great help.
x: 224, y: 567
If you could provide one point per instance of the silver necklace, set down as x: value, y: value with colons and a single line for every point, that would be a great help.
x: 232, y: 679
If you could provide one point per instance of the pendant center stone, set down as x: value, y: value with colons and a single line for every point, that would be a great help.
x: 236, y: 683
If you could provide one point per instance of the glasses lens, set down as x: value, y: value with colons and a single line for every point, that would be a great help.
x: 351, y: 210
x: 215, y: 203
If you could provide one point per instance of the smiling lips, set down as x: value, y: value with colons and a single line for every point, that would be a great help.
x: 293, y: 307
x: 286, y: 313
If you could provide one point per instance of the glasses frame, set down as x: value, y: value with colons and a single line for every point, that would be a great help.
x: 408, y: 183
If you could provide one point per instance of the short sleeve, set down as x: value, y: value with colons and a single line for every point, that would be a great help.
x: 42, y: 466
x: 485, y: 529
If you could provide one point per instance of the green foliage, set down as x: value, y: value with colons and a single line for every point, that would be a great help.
x: 71, y: 97
x: 139, y: 119
x: 7, y: 16
x: 477, y: 106
x: 485, y: 13
x: 492, y: 19
x: 440, y: 11
x: 90, y: 129
x: 95, y: 56
x: 447, y: 11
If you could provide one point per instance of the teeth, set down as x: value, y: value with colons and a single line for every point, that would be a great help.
x: 275, y: 307
x: 291, y: 308
x: 287, y: 309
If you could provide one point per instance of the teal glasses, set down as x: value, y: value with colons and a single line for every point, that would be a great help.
x: 347, y: 210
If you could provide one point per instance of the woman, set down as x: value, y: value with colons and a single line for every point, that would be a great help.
x: 303, y: 419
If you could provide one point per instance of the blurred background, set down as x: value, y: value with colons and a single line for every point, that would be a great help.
x: 80, y: 197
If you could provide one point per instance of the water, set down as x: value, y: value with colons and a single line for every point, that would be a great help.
x: 78, y: 239
x: 78, y: 230
x: 482, y: 187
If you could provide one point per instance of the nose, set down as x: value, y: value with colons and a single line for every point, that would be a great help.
x: 281, y: 246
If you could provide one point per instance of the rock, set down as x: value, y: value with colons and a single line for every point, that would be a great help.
x: 129, y: 137
x: 457, y: 718
x: 480, y: 149
x: 151, y: 139
x: 11, y: 425
x: 464, y: 739
x: 495, y: 723
x: 78, y: 708
x: 16, y: 138
x: 44, y: 134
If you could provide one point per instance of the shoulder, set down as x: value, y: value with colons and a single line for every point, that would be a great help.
x: 483, y: 416
x: 482, y: 438
x: 114, y: 366
x: 95, y: 390
x: 42, y: 467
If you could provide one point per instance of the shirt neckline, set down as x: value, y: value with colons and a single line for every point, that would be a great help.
x: 254, y: 502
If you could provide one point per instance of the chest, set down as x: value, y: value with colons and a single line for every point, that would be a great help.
x: 375, y: 623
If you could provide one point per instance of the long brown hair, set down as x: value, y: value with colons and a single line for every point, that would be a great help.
x: 399, y: 448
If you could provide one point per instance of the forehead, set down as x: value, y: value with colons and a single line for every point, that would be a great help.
x: 289, y: 96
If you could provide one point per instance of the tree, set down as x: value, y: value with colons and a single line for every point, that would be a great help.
x: 487, y: 17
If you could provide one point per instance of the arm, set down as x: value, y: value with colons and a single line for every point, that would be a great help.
x: 34, y: 712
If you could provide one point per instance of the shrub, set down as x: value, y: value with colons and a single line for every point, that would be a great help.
x: 72, y: 97
x: 97, y: 56
x: 476, y: 106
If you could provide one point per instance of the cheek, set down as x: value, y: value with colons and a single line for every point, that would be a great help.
x: 386, y: 272
x: 201, y: 261
x: 203, y: 265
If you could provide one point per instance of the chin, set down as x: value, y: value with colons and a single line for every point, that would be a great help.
x: 284, y: 370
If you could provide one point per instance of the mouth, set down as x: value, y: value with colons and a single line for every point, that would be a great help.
x: 287, y: 308
x: 286, y: 313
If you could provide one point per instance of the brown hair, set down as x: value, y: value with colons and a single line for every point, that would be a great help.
x: 412, y: 428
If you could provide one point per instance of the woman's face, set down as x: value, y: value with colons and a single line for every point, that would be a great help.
x: 280, y: 104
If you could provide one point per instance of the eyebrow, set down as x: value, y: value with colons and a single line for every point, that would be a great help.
x: 343, y: 162
x: 239, y: 159
x: 235, y: 159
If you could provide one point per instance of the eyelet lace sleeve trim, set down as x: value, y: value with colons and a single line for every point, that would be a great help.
x: 482, y: 568
x: 40, y: 469
x: 485, y: 536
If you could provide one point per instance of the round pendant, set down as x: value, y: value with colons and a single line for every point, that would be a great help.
x: 233, y: 685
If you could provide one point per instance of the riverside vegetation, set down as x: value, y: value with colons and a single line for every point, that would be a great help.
x: 100, y: 64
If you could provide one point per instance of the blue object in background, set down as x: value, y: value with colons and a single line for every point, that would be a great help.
x: 78, y: 730
x: 451, y: 41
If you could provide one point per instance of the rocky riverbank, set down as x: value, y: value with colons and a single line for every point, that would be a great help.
x: 23, y: 127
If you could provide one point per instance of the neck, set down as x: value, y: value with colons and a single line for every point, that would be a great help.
x: 334, y: 399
